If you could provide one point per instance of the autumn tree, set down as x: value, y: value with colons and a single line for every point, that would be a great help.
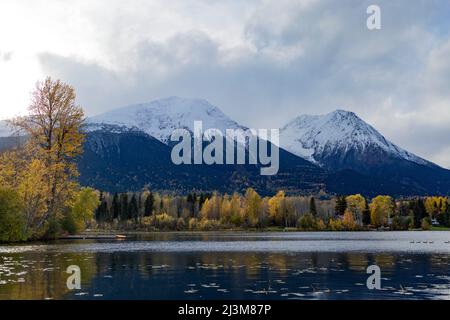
x: 236, y: 209
x: 252, y: 208
x: 12, y: 219
x: 348, y: 221
x: 277, y: 209
x: 53, y: 127
x: 355, y: 206
x: 26, y: 175
x: 82, y: 209
x: 381, y: 210
x: 225, y: 209
x: 436, y: 207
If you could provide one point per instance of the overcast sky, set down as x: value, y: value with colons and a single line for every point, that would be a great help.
x: 261, y: 62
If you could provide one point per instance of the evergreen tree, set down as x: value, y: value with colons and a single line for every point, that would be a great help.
x: 116, y: 206
x: 312, y: 207
x: 99, y: 211
x: 419, y: 212
x: 366, y: 213
x: 133, y: 210
x: 191, y: 200
x: 124, y: 206
x: 102, y: 212
x: 341, y: 205
x: 149, y: 201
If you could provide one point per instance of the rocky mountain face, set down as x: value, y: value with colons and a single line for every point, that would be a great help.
x: 131, y: 159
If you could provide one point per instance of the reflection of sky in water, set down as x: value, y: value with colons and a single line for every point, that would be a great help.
x: 212, y: 266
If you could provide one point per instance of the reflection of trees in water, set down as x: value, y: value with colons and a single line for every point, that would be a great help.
x: 149, y: 264
x: 386, y: 262
x: 46, y: 275
x: 357, y: 262
x: 163, y: 274
x: 440, y: 263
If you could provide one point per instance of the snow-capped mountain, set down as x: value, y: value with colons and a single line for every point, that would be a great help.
x: 161, y: 117
x: 5, y: 130
x: 337, y: 139
x: 129, y: 148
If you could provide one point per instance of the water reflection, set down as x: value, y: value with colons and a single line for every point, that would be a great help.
x: 147, y: 274
x: 41, y: 276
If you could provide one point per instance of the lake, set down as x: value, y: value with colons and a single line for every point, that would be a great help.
x: 291, y: 265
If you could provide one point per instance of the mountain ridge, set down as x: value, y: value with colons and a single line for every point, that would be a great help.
x: 129, y: 148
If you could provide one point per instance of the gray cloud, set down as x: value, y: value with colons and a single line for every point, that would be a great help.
x: 294, y: 57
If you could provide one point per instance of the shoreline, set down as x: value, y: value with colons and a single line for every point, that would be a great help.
x: 122, y: 234
x: 130, y: 234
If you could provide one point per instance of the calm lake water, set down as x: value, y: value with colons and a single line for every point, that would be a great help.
x: 328, y: 265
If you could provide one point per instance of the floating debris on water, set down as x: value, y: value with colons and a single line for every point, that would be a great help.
x: 296, y: 294
x: 210, y: 285
x: 81, y: 294
x: 190, y: 291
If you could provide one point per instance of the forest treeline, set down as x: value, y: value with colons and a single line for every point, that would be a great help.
x: 153, y: 211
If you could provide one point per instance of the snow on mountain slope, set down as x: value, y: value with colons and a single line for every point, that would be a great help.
x: 161, y: 117
x: 5, y: 130
x: 339, y: 132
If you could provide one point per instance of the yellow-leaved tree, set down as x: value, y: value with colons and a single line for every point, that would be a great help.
x: 252, y: 209
x: 277, y: 208
x: 43, y: 170
x: 53, y: 126
x: 381, y: 210
x: 82, y: 210
x: 355, y: 206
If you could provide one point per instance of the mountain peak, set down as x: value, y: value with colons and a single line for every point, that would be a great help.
x: 341, y: 113
x: 340, y: 133
x: 159, y: 118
